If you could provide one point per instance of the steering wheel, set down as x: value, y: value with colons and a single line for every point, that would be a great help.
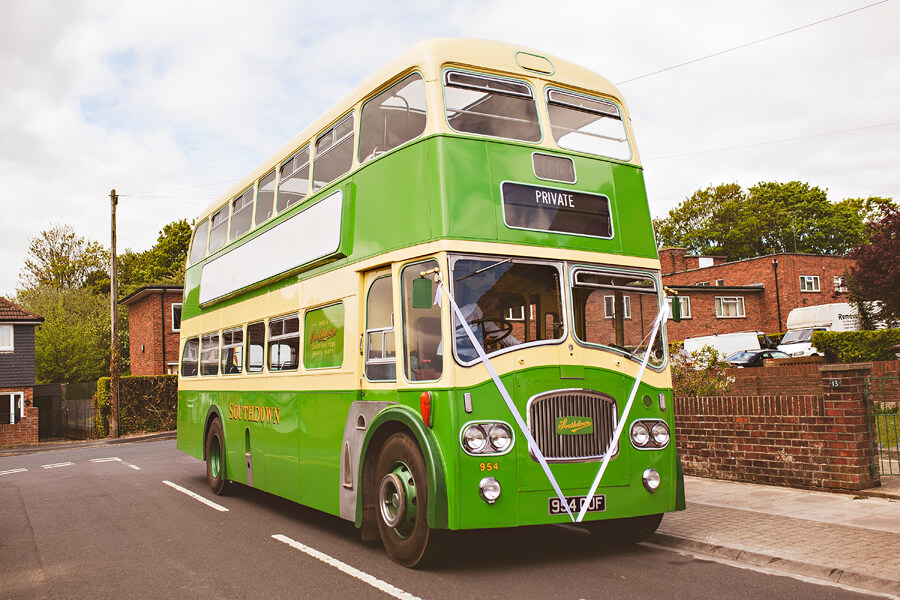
x: 503, y: 331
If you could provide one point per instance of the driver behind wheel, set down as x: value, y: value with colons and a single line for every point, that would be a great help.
x: 484, y: 317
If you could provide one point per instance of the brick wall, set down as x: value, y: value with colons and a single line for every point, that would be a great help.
x: 703, y: 320
x: 25, y: 432
x: 798, y: 434
x: 150, y: 330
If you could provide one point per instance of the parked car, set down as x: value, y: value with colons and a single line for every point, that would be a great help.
x: 753, y: 358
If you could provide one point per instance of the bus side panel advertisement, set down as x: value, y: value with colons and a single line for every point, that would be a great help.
x: 323, y: 344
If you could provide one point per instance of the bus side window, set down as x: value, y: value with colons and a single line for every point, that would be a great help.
x: 392, y: 118
x: 190, y: 358
x: 256, y: 343
x: 334, y: 153
x: 198, y: 244
x: 232, y: 351
x: 209, y: 354
x: 218, y: 232
x: 381, y: 354
x: 421, y: 330
x: 284, y: 343
x: 241, y: 214
x: 294, y: 183
x: 265, y: 198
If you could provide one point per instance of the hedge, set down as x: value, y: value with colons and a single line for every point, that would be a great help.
x: 146, y: 403
x: 856, y: 346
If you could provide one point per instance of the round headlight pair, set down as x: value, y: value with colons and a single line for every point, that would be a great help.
x: 650, y: 434
x: 487, y: 438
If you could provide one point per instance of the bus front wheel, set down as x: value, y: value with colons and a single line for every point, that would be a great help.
x: 402, y: 493
x: 624, y: 532
x: 215, y: 458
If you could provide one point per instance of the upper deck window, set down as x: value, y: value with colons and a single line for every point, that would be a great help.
x: 294, y: 184
x: 589, y: 125
x: 265, y: 198
x: 392, y: 118
x: 491, y: 106
x: 334, y: 153
x: 198, y: 244
x: 218, y: 232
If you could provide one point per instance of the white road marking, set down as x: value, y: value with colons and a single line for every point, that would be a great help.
x: 352, y: 571
x: 55, y: 465
x: 11, y: 471
x: 115, y: 459
x: 196, y: 497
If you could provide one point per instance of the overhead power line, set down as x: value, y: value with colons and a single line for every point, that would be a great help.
x: 765, y: 39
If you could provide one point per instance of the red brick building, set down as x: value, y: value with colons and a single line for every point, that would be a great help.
x: 18, y: 414
x: 154, y: 327
x: 755, y: 294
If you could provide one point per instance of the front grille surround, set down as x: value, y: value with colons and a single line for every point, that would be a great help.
x: 543, y: 409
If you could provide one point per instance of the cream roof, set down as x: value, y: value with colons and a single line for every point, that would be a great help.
x: 429, y: 57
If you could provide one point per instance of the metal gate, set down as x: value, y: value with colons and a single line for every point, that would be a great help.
x: 883, y: 400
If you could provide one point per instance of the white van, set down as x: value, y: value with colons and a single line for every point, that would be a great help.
x: 803, y: 321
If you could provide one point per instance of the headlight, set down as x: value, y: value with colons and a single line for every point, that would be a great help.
x: 500, y: 438
x: 639, y: 434
x: 489, y: 489
x: 651, y: 480
x: 660, y: 433
x: 474, y: 438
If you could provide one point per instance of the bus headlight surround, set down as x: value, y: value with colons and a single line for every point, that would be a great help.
x: 500, y: 437
x: 489, y: 489
x: 651, y: 480
x: 474, y: 438
x: 640, y: 435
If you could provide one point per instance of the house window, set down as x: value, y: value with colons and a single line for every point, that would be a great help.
x: 720, y: 282
x: 839, y: 285
x: 12, y: 406
x: 685, y: 306
x: 809, y: 283
x: 176, y: 317
x: 609, y: 305
x: 730, y: 307
x: 6, y: 338
x: 704, y: 283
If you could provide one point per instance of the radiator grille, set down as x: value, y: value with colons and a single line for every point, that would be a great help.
x: 544, y: 409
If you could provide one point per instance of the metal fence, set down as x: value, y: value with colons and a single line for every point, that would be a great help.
x: 883, y: 395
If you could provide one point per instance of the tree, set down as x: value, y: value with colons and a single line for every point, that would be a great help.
x: 62, y: 260
x: 875, y: 276
x: 768, y: 218
x: 161, y: 264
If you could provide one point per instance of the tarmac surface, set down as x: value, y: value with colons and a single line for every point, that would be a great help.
x: 845, y: 539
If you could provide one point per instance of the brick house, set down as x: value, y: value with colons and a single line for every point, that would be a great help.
x: 754, y: 294
x: 154, y: 327
x: 18, y: 415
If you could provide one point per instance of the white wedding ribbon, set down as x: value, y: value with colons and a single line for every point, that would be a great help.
x: 523, y: 428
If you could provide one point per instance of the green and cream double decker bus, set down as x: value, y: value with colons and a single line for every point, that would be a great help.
x: 439, y: 307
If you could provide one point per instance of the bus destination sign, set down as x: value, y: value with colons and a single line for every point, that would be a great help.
x: 560, y: 211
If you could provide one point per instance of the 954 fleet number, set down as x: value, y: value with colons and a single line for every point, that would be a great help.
x: 575, y: 503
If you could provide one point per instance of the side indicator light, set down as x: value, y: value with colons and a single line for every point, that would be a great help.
x: 425, y: 407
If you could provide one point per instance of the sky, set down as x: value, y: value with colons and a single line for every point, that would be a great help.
x: 170, y: 102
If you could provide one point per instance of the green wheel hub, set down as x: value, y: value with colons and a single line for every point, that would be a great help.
x: 215, y: 457
x: 397, y: 500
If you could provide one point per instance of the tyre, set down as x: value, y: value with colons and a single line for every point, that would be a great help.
x: 215, y: 458
x: 624, y: 532
x: 401, y: 490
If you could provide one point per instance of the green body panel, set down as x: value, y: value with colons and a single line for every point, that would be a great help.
x: 448, y: 187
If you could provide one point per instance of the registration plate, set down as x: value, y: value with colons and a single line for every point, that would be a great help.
x: 575, y: 503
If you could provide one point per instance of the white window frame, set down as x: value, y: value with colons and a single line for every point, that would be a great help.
x: 738, y: 301
x: 12, y: 338
x: 13, y: 398
x: 609, y: 306
x: 809, y: 283
x: 839, y: 284
x: 174, y: 304
x: 685, y: 306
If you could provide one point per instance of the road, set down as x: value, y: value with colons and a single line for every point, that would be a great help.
x: 102, y: 522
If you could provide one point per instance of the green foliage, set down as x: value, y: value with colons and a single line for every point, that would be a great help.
x: 856, y: 346
x: 146, y: 404
x: 62, y: 260
x: 768, y: 218
x: 72, y: 344
x: 703, y: 373
x: 163, y: 264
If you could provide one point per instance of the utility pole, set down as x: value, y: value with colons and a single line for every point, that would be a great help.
x: 114, y: 342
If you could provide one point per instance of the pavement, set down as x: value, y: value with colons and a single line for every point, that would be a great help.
x: 849, y: 540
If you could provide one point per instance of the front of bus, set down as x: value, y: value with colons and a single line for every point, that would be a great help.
x: 561, y: 395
